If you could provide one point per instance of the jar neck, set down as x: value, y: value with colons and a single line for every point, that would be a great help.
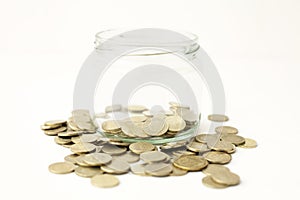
x: 149, y: 39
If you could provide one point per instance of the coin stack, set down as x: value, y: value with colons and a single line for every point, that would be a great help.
x: 101, y: 159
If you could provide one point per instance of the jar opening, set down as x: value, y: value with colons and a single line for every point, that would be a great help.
x: 144, y: 38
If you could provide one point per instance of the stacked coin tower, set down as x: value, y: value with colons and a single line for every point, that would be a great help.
x: 100, y: 158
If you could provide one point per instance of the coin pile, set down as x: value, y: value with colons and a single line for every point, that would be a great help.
x: 147, y: 124
x: 96, y: 157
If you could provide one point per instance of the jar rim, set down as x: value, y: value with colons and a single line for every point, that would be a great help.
x: 188, y: 41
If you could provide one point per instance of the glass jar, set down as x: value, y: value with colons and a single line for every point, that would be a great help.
x: 149, y: 67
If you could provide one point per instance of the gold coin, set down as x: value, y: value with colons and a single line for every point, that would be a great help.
x: 133, y: 129
x: 217, y: 157
x: 61, y: 168
x: 207, y: 138
x: 69, y: 133
x: 141, y: 147
x: 110, y: 125
x: 227, y: 178
x: 47, y: 127
x: 153, y: 156
x: 113, y: 108
x: 190, y: 117
x: 190, y: 162
x: 173, y: 145
x: 197, y: 147
x: 61, y: 141
x: 209, y: 182
x: 136, y: 108
x: 113, y: 149
x: 178, y: 172
x: 180, y: 153
x: 97, y: 159
x: 176, y: 123
x: 87, y: 172
x: 128, y: 157
x: 215, y: 168
x: 249, y: 143
x: 233, y: 138
x: 82, y: 148
x: 71, y: 158
x: 138, y: 169
x: 116, y: 166
x: 56, y: 123
x: 158, y: 169
x: 226, y: 129
x: 218, y: 118
x: 105, y: 181
x: 75, y: 139
x: 222, y: 146
x: 53, y: 132
x: 72, y: 125
x: 79, y: 161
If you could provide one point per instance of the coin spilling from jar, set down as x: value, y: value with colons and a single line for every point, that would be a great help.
x: 101, y: 157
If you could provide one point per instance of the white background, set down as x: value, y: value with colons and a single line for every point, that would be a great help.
x: 254, y: 44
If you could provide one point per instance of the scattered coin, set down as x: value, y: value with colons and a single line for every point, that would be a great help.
x: 217, y: 157
x: 116, y: 166
x: 226, y: 178
x: 113, y: 150
x: 209, y: 182
x: 141, y: 147
x: 61, y: 168
x: 97, y: 159
x: 218, y: 118
x: 222, y: 146
x: 249, y: 143
x: 56, y: 123
x: 87, y: 172
x: 197, y: 147
x: 110, y: 125
x: 208, y: 138
x: 153, y: 156
x: 53, y: 132
x: 233, y: 138
x: 138, y: 169
x: 215, y: 168
x: 71, y: 158
x: 190, y: 162
x: 128, y: 157
x: 82, y: 148
x: 105, y: 181
x: 178, y: 172
x: 226, y: 129
x: 158, y: 169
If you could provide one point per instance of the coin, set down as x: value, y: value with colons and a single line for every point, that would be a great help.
x: 138, y: 169
x: 47, y: 127
x: 249, y: 143
x: 190, y: 162
x: 215, y: 168
x: 138, y: 118
x: 207, y: 138
x: 222, y: 146
x: 141, y: 147
x: 89, y: 138
x: 233, y: 138
x: 153, y: 156
x: 61, y: 141
x: 218, y: 118
x: 71, y: 158
x: 102, y: 115
x: 87, y: 172
x: 226, y: 129
x: 116, y: 166
x: 178, y: 172
x: 105, y: 181
x: 136, y: 108
x: 158, y: 169
x: 217, y: 157
x: 173, y: 145
x: 176, y: 123
x: 197, y: 147
x: 113, y: 150
x: 53, y: 132
x: 56, y: 123
x: 189, y: 117
x: 110, y: 125
x: 155, y: 126
x: 128, y: 157
x: 61, y: 168
x: 97, y: 159
x: 82, y: 148
x: 209, y: 182
x: 226, y: 178
x: 113, y: 108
